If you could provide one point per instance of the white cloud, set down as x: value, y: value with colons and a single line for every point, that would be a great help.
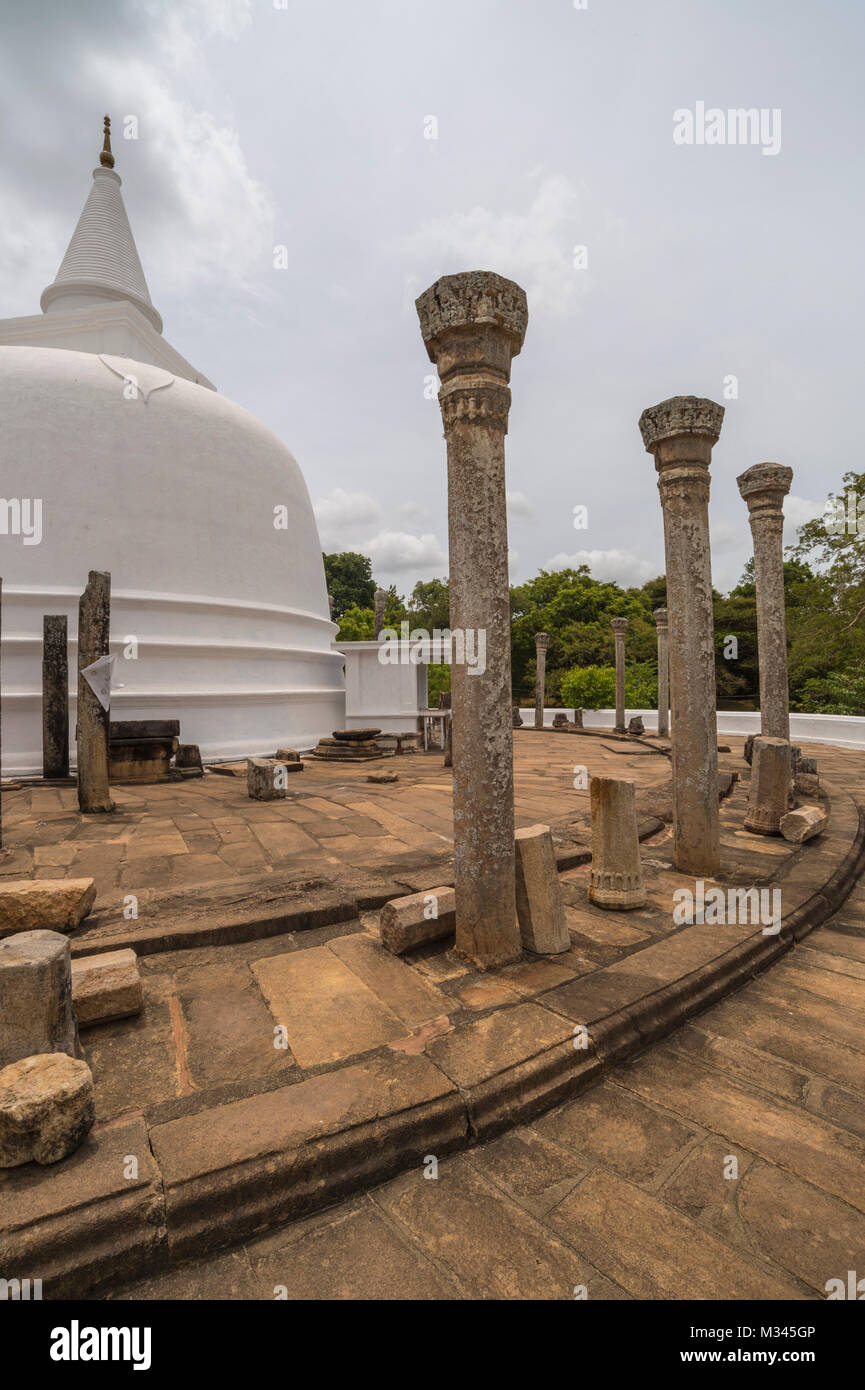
x: 535, y: 247
x: 400, y: 550
x: 622, y: 566
x: 519, y: 506
x: 798, y: 510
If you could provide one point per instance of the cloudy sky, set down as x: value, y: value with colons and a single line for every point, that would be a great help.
x: 305, y: 124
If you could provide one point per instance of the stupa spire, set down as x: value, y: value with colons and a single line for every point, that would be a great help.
x: 101, y: 260
x: 106, y: 158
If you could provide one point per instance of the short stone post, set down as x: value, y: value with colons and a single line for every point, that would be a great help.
x: 660, y: 616
x: 764, y: 488
x: 540, y: 905
x: 266, y: 779
x: 55, y: 697
x: 620, y: 627
x: 680, y: 433
x: 380, y: 601
x: 36, y: 996
x: 542, y: 642
x: 94, y: 616
x: 767, y: 794
x: 473, y: 325
x: 616, y: 878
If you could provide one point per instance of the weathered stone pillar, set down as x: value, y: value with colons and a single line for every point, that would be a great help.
x: 620, y: 627
x: 380, y: 601
x: 770, y: 779
x: 94, y: 616
x: 473, y: 325
x: 542, y: 642
x: 660, y: 616
x: 680, y: 433
x: 55, y: 697
x: 764, y: 488
x: 616, y: 878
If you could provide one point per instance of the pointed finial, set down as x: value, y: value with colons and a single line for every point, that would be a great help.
x: 106, y: 158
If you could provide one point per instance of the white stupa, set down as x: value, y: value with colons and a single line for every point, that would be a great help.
x: 198, y: 511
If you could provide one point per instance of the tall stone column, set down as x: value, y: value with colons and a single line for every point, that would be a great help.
x: 680, y: 434
x: 620, y: 627
x: 764, y: 488
x: 542, y: 642
x: 660, y: 616
x: 94, y: 616
x: 473, y: 325
x: 380, y: 601
x: 55, y: 697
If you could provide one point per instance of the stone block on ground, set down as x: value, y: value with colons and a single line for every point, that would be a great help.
x: 105, y: 987
x: 748, y: 750
x: 635, y: 725
x: 287, y: 755
x: 418, y: 919
x: 540, y: 907
x: 36, y: 996
x: 45, y: 904
x: 806, y: 783
x: 560, y: 720
x: 807, y: 765
x: 265, y: 779
x: 46, y: 1108
x: 383, y: 777
x: 187, y: 758
x: 803, y: 823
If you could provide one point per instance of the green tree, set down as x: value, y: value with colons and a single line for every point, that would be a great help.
x: 356, y: 625
x: 349, y: 581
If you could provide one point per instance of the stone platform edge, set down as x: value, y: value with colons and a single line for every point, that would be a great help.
x: 136, y: 1201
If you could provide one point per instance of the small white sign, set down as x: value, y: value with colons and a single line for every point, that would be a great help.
x: 98, y: 677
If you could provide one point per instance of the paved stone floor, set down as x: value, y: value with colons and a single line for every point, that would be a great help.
x: 727, y: 1162
x: 176, y: 838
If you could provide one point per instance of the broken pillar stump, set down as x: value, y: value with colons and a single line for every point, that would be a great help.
x: 55, y: 697
x: 36, y: 996
x: 616, y: 878
x: 418, y: 919
x: 540, y: 907
x: 770, y: 779
x: 803, y: 824
x: 266, y: 779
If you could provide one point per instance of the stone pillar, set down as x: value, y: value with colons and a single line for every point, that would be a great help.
x: 94, y: 615
x: 55, y: 697
x: 380, y: 601
x: 616, y: 878
x: 473, y: 325
x: 620, y: 627
x: 764, y: 488
x: 540, y: 904
x: 767, y: 794
x: 36, y: 996
x: 330, y: 606
x: 660, y: 616
x: 680, y: 433
x: 542, y: 642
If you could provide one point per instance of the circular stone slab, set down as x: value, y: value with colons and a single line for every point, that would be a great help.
x: 355, y: 735
x: 46, y: 1108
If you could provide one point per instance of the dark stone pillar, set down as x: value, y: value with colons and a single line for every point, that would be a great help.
x: 55, y: 697
x: 94, y: 616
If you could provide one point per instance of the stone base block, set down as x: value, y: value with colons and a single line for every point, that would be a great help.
x: 106, y: 987
x: 45, y: 904
x: 46, y: 1108
x: 417, y: 919
x: 265, y: 779
x: 287, y: 755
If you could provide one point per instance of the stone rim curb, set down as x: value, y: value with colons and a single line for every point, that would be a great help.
x: 144, y: 1228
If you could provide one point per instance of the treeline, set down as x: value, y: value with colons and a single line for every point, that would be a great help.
x: 825, y: 598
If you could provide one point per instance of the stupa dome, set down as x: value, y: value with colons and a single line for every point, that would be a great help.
x: 219, y: 613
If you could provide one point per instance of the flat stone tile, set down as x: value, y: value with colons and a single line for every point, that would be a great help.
x: 528, y: 1167
x: 229, y: 1029
x: 491, y: 1045
x: 356, y: 1256
x: 813, y: 1148
x: 221, y: 1278
x: 397, y: 984
x: 328, y: 1013
x: 608, y: 1125
x: 656, y: 1253
x: 706, y: 1186
x: 612, y: 930
x: 492, y: 1247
